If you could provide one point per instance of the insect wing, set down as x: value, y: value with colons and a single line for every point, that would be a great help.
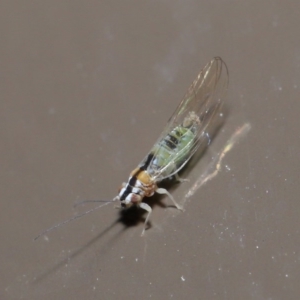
x: 205, y: 98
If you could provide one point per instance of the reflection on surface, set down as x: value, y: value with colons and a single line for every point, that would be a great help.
x: 215, y: 166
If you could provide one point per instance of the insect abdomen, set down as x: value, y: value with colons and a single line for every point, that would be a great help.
x: 175, y: 143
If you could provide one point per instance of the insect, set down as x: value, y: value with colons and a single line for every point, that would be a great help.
x: 179, y: 140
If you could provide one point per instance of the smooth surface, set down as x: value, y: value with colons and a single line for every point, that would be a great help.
x: 86, y: 88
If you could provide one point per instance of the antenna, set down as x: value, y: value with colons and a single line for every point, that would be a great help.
x: 76, y: 217
x: 90, y: 201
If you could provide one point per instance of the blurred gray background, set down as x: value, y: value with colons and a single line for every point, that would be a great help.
x: 86, y: 88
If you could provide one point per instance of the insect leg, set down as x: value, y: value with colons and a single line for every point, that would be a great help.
x: 164, y: 191
x: 178, y: 178
x: 146, y: 207
x: 208, y: 138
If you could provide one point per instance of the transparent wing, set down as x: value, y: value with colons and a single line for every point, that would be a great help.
x: 204, y: 97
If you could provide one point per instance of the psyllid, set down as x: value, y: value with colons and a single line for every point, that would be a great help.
x: 177, y: 143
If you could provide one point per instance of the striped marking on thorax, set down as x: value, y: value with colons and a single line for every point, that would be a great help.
x: 137, y: 174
